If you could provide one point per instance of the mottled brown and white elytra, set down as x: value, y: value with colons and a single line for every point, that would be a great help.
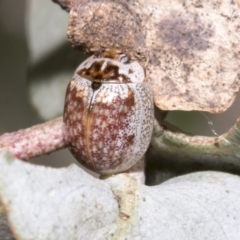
x: 108, y: 114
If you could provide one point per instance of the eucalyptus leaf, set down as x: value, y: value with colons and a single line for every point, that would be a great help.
x: 67, y: 203
x: 48, y: 203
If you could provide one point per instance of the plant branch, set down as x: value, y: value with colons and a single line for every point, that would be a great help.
x: 177, y: 153
x: 35, y: 141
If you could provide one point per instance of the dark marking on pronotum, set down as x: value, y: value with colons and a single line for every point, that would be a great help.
x: 96, y: 85
x: 108, y: 74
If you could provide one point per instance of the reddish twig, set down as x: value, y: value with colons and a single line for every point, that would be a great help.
x: 35, y: 141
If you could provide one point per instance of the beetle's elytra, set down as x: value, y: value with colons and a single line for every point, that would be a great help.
x: 108, y: 114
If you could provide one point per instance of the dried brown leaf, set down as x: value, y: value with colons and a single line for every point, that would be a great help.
x: 190, y: 47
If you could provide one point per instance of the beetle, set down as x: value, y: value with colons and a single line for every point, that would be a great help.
x: 109, y: 113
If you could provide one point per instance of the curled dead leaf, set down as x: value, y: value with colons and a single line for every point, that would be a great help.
x: 190, y: 47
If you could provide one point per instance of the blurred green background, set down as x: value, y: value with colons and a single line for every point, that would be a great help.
x: 16, y: 111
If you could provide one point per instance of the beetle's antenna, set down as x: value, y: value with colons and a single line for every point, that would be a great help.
x: 210, y: 123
